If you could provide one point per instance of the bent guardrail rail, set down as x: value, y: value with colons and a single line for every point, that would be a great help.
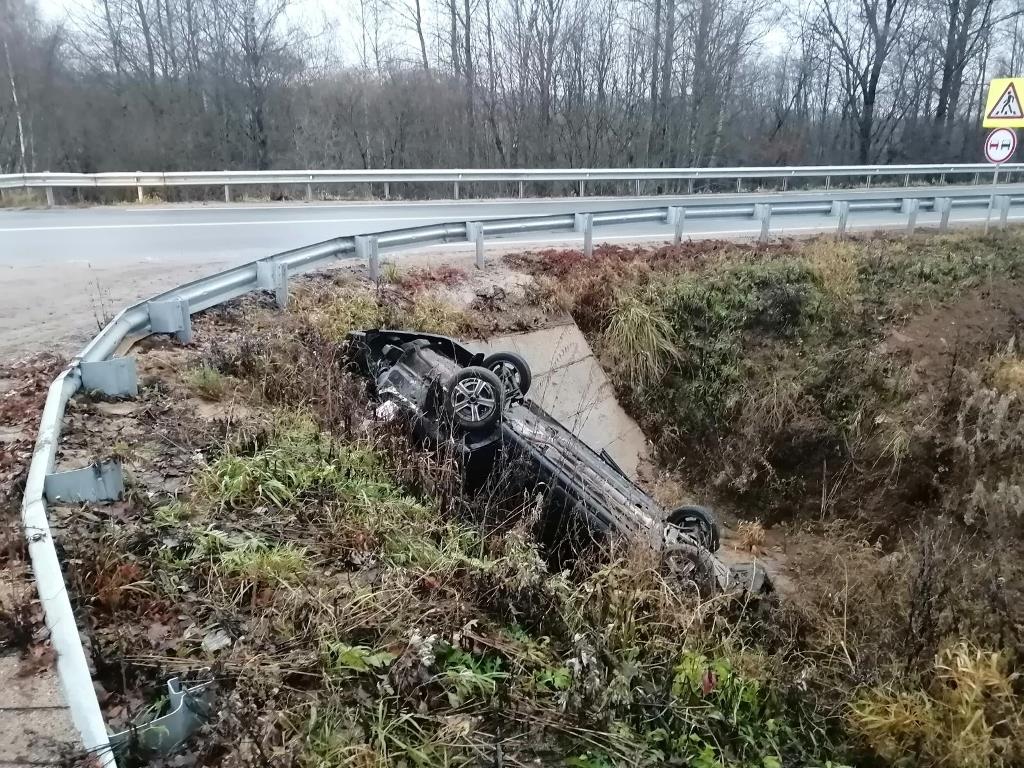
x: 143, y: 180
x: 96, y: 368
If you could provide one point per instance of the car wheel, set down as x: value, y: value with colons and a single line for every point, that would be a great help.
x: 699, y: 522
x: 688, y: 563
x: 474, y: 398
x: 512, y: 370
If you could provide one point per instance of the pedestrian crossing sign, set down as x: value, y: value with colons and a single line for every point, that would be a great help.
x: 1003, y: 107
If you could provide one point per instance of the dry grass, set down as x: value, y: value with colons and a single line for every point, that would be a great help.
x: 208, y: 383
x: 836, y: 263
x: 751, y: 535
x: 969, y: 716
x: 22, y: 198
x: 334, y: 310
x: 638, y: 341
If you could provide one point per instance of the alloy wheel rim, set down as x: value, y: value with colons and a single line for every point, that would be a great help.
x: 508, y: 374
x: 474, y: 399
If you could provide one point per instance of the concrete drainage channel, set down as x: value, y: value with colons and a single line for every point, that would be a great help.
x: 560, y: 356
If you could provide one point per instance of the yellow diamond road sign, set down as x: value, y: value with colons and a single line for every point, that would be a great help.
x: 1003, y: 108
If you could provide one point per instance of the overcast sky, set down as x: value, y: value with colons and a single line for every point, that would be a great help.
x: 340, y: 15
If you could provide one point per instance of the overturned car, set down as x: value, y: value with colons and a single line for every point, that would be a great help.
x: 479, y: 403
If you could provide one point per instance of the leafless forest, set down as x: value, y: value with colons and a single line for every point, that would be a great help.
x: 224, y: 84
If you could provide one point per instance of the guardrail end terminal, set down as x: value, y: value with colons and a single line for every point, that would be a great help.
x: 116, y: 377
x: 97, y: 482
x: 171, y: 316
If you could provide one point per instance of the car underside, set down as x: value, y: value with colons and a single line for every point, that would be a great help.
x: 479, y: 405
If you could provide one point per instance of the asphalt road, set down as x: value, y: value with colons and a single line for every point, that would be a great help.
x: 63, y: 270
x: 239, y: 232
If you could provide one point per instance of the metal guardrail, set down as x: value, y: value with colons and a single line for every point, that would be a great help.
x: 143, y: 180
x: 97, y: 368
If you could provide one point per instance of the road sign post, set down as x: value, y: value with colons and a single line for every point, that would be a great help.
x: 1000, y: 144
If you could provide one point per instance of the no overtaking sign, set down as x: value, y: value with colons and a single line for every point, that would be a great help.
x: 1000, y: 145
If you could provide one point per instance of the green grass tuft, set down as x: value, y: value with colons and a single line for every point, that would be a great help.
x: 208, y: 383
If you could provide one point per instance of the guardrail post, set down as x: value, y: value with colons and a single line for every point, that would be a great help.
x: 227, y: 194
x: 785, y: 183
x: 638, y: 187
x: 116, y: 377
x: 942, y: 206
x: 677, y: 218
x: 273, y: 276
x: 942, y: 178
x: 582, y: 188
x: 841, y: 208
x: 171, y: 316
x: 584, y: 222
x: 475, y: 234
x: 828, y: 182
x: 763, y: 213
x: 977, y: 178
x: 309, y: 192
x: 387, y: 190
x: 910, y: 207
x: 49, y: 196
x: 739, y: 183
x: 689, y: 186
x: 522, y: 189
x: 142, y: 196
x: 1003, y: 205
x: 366, y: 248
x: 906, y: 180
x: 456, y: 190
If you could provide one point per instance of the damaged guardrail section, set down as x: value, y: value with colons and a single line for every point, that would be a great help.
x: 97, y: 368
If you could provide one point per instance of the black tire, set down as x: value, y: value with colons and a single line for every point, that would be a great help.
x: 474, y: 398
x: 512, y: 370
x: 698, y: 522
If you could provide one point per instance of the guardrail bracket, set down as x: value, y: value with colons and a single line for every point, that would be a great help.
x: 475, y: 234
x: 943, y: 206
x: 97, y: 482
x: 584, y: 222
x: 116, y: 377
x: 273, y: 276
x: 763, y: 214
x: 188, y: 709
x: 171, y: 316
x: 368, y: 249
x: 1003, y: 206
x: 677, y: 218
x: 910, y: 206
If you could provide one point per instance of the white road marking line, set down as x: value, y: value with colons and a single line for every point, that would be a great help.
x: 75, y: 227
x: 400, y: 219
